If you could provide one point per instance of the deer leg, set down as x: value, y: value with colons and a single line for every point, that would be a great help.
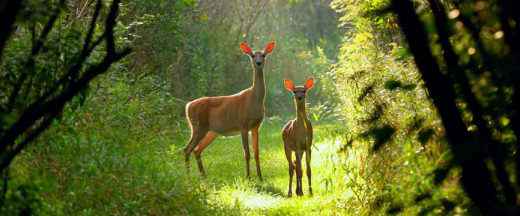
x: 291, y: 170
x: 299, y: 190
x: 254, y: 134
x: 196, y: 136
x: 245, y: 144
x: 187, y: 154
x: 210, y: 136
x: 308, y: 166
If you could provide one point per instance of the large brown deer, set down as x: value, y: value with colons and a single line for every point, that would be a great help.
x: 297, y: 137
x: 240, y: 113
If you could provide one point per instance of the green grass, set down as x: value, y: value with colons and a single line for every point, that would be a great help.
x: 230, y: 189
x: 121, y: 155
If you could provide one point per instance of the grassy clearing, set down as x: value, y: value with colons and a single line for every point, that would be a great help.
x: 229, y: 189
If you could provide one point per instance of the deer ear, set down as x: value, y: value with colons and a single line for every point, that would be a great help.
x: 289, y: 85
x: 245, y: 48
x: 269, y: 47
x: 309, y: 83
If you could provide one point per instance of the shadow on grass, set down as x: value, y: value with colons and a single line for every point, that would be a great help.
x: 269, y: 188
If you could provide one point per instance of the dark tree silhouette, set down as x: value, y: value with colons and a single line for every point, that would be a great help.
x: 448, y: 81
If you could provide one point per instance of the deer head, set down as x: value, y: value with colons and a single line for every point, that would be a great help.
x: 257, y: 57
x: 299, y: 92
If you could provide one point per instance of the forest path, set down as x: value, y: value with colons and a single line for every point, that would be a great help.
x: 229, y: 190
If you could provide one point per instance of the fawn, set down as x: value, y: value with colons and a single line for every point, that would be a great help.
x: 297, y: 137
x: 240, y: 113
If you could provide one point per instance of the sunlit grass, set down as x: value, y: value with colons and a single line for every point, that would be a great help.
x: 230, y: 189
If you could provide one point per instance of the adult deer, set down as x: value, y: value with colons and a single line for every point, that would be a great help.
x: 297, y: 137
x: 240, y: 113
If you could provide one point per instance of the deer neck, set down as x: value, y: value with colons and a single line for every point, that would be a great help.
x: 258, y: 85
x: 301, y: 115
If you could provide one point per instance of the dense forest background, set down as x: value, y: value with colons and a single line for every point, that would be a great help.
x: 413, y: 105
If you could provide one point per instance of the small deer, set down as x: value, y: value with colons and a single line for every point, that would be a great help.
x: 235, y: 114
x: 297, y: 137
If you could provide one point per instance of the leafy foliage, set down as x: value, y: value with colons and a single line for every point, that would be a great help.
x: 383, y: 99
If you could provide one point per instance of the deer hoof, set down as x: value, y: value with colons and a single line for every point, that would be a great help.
x: 289, y: 194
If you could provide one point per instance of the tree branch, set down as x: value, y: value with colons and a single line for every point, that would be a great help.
x: 46, y: 109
